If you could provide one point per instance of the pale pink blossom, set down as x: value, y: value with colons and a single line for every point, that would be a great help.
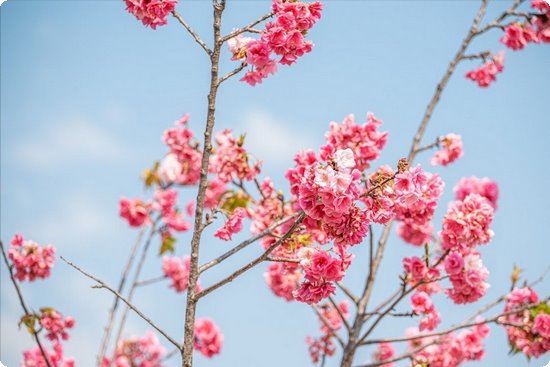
x: 34, y: 358
x: 384, y: 352
x: 177, y: 269
x: 145, y: 351
x: 283, y: 279
x: 450, y: 150
x: 135, y: 211
x: 482, y: 186
x: 208, y: 339
x: 415, y: 234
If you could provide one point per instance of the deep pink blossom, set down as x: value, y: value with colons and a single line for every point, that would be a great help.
x: 384, y: 352
x: 30, y: 260
x: 232, y: 225
x: 135, y: 211
x: 312, y: 293
x: 486, y: 74
x: 152, y: 13
x: 208, y: 339
x: 34, y: 358
x: 450, y: 150
x: 514, y: 37
x: 541, y: 325
x: 55, y: 325
x: 283, y: 279
x: 415, y: 268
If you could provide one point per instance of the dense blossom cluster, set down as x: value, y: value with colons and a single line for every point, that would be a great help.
x: 473, y: 185
x: 450, y: 350
x: 152, y: 13
x: 415, y: 234
x: 232, y: 225
x: 208, y: 339
x: 177, y: 269
x: 30, y: 260
x: 486, y: 74
x: 534, y: 30
x: 55, y: 325
x: 330, y: 321
x: 450, y: 150
x: 285, y: 37
x: 423, y: 305
x: 283, y: 279
x: 418, y: 274
x: 145, y: 351
x: 34, y: 358
x: 528, y: 329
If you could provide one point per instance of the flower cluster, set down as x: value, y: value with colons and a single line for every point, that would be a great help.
x: 320, y: 271
x: 417, y: 271
x: 285, y: 37
x: 450, y: 350
x: 165, y: 203
x: 34, y: 358
x: 534, y: 30
x: 365, y: 141
x: 232, y: 225
x: 415, y: 234
x: 30, y: 261
x: 283, y: 279
x: 423, y: 305
x: 330, y: 321
x: 152, y: 13
x: 177, y: 269
x: 529, y: 328
x: 467, y: 275
x: 486, y: 74
x: 451, y: 150
x: 473, y: 185
x: 384, y: 352
x: 183, y: 163
x: 230, y: 160
x: 139, y: 352
x: 135, y: 211
x: 208, y: 339
x: 55, y: 325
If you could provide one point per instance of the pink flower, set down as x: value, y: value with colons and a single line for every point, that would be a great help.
x: 384, y: 352
x: 421, y: 303
x: 208, y: 339
x: 233, y: 225
x: 231, y: 160
x: 415, y: 267
x: 138, y: 352
x: 323, y: 267
x: 415, y: 234
x: 33, y: 357
x: 541, y: 325
x: 469, y: 284
x: 55, y: 325
x: 283, y: 279
x: 365, y: 141
x: 30, y: 261
x: 312, y: 293
x: 177, y: 269
x: 473, y: 185
x: 454, y: 263
x: 135, y: 211
x: 182, y: 165
x: 485, y: 75
x: 451, y: 150
x: 514, y: 37
x: 152, y: 13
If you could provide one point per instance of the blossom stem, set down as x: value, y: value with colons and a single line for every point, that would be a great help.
x: 195, y: 35
x: 23, y: 305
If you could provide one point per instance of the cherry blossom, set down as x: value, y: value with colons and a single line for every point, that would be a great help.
x: 208, y: 339
x: 30, y: 260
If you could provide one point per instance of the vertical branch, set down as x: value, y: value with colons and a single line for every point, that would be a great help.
x: 112, y: 311
x: 24, y: 306
x: 187, y: 354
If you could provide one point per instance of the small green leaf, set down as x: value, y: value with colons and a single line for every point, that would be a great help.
x: 168, y: 245
x: 29, y: 321
x: 47, y: 310
x: 234, y: 201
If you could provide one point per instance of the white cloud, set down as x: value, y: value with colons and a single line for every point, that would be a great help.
x: 74, y: 141
x: 271, y: 140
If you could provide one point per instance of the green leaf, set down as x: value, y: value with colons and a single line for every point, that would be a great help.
x: 541, y: 308
x: 29, y: 321
x: 168, y: 245
x: 234, y: 201
x: 47, y: 310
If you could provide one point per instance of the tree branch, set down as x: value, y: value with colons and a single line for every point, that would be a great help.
x: 101, y: 284
x: 197, y: 38
x: 247, y: 28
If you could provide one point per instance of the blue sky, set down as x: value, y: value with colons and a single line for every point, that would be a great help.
x: 86, y: 92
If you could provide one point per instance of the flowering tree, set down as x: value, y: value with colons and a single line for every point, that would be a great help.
x: 312, y: 234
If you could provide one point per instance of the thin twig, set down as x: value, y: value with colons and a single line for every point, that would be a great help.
x: 247, y: 28
x: 197, y: 38
x: 282, y: 260
x: 254, y: 262
x: 170, y: 355
x: 24, y: 306
x: 145, y: 282
x: 342, y: 317
x: 244, y: 244
x: 235, y: 71
x: 347, y: 292
x: 328, y: 325
x: 109, y: 327
x: 102, y: 284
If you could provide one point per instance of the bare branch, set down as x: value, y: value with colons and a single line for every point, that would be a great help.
x: 348, y: 292
x: 145, y: 282
x: 244, y: 244
x: 112, y: 311
x: 197, y: 38
x: 346, y: 324
x: 230, y: 74
x: 24, y: 306
x: 254, y: 262
x: 101, y: 284
x: 248, y: 28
